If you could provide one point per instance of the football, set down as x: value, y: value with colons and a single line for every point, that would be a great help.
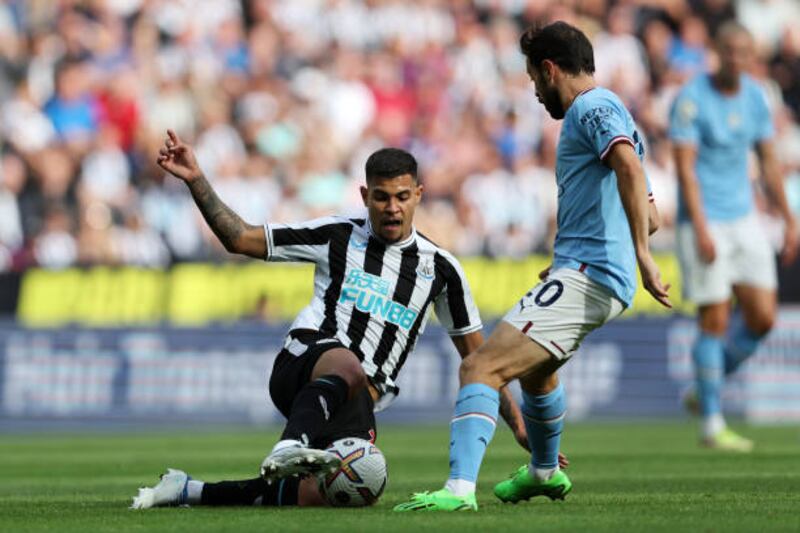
x: 362, y: 477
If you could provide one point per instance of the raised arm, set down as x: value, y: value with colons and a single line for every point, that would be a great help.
x: 773, y: 179
x: 632, y: 187
x: 237, y: 236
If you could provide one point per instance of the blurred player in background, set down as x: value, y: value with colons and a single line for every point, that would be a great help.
x: 603, y: 229
x: 374, y: 282
x: 723, y: 251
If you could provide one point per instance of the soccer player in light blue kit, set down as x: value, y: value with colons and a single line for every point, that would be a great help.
x: 604, y: 219
x: 715, y: 120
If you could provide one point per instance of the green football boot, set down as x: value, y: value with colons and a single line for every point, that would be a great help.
x: 728, y: 441
x: 440, y: 500
x: 523, y: 486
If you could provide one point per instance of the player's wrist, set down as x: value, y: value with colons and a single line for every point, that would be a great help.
x: 194, y: 177
x: 700, y: 231
x: 643, y: 255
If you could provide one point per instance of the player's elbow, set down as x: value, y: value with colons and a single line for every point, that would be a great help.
x: 628, y: 171
x: 251, y: 243
x: 233, y: 246
x: 654, y: 222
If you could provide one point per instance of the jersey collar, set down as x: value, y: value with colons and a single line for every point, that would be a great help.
x: 401, y: 244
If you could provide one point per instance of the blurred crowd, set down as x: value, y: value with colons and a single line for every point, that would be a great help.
x: 285, y: 99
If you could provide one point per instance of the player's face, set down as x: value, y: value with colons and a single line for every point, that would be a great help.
x: 546, y: 92
x: 735, y: 53
x: 391, y: 203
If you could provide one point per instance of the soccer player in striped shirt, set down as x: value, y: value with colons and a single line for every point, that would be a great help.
x: 375, y: 280
x: 604, y: 221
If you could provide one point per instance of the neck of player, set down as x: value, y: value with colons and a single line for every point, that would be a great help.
x: 574, y: 86
x: 726, y: 82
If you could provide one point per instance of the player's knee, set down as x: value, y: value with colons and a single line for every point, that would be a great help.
x: 761, y: 324
x: 350, y: 370
x: 714, y: 322
x: 477, y: 369
x: 344, y: 364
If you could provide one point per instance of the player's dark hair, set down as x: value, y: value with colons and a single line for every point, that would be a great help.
x: 728, y: 28
x: 563, y: 44
x: 390, y: 163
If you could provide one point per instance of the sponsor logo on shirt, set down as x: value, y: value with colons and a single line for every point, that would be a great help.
x: 370, y: 294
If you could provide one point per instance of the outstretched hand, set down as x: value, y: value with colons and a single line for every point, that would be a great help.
x: 177, y: 158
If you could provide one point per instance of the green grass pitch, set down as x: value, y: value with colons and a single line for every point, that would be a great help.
x: 627, y: 477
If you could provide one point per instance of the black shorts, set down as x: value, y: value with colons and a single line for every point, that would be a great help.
x: 292, y: 370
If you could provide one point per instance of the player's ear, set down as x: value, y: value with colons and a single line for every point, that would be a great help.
x: 418, y: 192
x: 548, y: 71
x: 364, y: 194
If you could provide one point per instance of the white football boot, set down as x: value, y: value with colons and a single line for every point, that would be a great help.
x: 171, y: 490
x: 293, y: 458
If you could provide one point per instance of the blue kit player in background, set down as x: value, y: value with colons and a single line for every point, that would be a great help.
x: 604, y: 219
x: 715, y: 120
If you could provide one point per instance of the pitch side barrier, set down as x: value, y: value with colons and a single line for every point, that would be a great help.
x: 195, y: 294
x: 218, y: 374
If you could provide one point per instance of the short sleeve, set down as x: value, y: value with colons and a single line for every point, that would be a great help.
x: 302, y: 242
x: 605, y: 125
x: 763, y: 128
x: 454, y: 305
x: 683, y: 123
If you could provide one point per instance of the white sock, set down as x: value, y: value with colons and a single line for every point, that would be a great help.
x: 541, y: 474
x: 194, y: 491
x: 286, y: 443
x: 460, y: 487
x: 713, y: 424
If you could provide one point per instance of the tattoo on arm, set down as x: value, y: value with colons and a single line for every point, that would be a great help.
x: 223, y: 221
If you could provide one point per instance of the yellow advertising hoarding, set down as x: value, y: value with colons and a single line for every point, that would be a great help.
x: 199, y: 293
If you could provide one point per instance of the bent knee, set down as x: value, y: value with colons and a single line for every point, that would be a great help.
x: 714, y: 320
x: 352, y: 372
x: 762, y: 324
x: 345, y: 364
x: 478, y: 368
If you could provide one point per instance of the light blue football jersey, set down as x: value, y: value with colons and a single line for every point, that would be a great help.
x: 723, y: 128
x: 593, y: 233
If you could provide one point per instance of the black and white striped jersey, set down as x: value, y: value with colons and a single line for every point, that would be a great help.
x: 372, y: 296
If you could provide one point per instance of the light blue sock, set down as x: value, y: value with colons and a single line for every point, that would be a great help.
x: 709, y: 363
x: 742, y: 344
x: 544, y: 421
x: 472, y: 429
